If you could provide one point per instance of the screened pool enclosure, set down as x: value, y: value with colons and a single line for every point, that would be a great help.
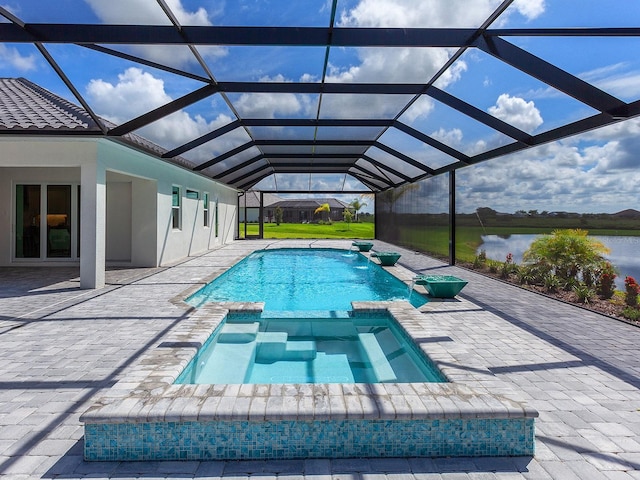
x: 437, y: 108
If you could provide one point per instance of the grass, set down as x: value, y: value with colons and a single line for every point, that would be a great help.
x: 434, y: 240
x: 313, y: 230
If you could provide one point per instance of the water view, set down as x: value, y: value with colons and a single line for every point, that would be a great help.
x: 624, y: 251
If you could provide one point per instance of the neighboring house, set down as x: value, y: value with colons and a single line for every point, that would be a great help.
x: 250, y: 202
x: 303, y: 210
x: 87, y: 199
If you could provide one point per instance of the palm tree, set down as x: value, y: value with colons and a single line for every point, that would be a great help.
x: 356, y: 204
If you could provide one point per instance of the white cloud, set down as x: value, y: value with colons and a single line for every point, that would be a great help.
x: 530, y: 9
x: 267, y: 105
x: 419, y: 13
x: 271, y: 105
x: 137, y: 92
x: 12, y: 57
x: 572, y: 175
x: 616, y: 79
x: 144, y: 12
x: 451, y: 137
x: 517, y: 112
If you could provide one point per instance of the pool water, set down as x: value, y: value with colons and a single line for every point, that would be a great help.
x: 305, y: 279
x: 260, y: 350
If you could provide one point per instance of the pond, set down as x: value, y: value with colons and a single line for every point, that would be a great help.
x: 625, y: 251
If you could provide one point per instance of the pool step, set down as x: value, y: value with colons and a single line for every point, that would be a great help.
x: 275, y: 346
x: 238, y: 355
x: 238, y: 332
x: 300, y: 350
x: 378, y: 360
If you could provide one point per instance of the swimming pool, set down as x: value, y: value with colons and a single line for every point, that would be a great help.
x: 147, y: 416
x: 256, y: 350
x: 295, y: 279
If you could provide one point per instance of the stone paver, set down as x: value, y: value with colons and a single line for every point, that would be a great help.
x: 63, y: 347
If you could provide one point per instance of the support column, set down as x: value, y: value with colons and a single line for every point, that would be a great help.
x: 261, y: 217
x: 92, y: 225
x: 452, y: 217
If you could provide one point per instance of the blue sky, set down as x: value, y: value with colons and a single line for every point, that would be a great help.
x: 598, y: 171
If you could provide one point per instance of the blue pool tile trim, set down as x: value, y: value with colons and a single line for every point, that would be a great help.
x: 244, y: 440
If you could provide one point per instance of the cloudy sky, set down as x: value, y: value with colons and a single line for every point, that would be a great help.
x: 598, y: 171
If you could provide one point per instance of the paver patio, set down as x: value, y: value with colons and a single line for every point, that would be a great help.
x: 62, y: 346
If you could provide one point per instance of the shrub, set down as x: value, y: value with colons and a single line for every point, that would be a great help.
x: 508, y: 267
x: 480, y: 260
x: 589, y: 277
x: 605, y: 280
x: 570, y: 284
x: 493, y: 266
x: 632, y: 290
x: 583, y: 292
x: 566, y: 253
x: 631, y: 313
x: 551, y: 283
x: 526, y: 276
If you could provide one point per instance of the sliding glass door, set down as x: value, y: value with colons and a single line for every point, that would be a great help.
x: 28, y: 221
x: 58, y: 221
x: 50, y: 236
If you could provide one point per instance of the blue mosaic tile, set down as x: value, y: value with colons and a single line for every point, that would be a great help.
x: 317, y: 439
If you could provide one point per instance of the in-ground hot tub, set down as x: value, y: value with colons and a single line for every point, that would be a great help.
x: 146, y: 416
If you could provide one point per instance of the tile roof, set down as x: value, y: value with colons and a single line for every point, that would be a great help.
x: 252, y: 199
x: 26, y: 106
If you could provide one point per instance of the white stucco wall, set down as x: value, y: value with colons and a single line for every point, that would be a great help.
x: 193, y: 237
x: 153, y: 242
x: 36, y: 161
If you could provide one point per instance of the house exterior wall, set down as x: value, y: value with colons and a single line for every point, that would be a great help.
x: 193, y: 237
x: 35, y: 161
x: 94, y: 163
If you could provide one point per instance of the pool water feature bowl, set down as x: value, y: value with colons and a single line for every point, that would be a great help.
x: 441, y: 286
x: 148, y: 416
x: 386, y: 259
x: 362, y: 246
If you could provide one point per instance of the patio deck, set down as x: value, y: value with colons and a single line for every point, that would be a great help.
x: 62, y: 347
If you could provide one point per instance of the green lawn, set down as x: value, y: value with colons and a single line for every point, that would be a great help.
x: 467, y: 238
x: 312, y: 230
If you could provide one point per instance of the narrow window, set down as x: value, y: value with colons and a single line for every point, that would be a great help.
x: 193, y: 194
x: 216, y: 214
x: 205, y: 209
x: 176, y: 212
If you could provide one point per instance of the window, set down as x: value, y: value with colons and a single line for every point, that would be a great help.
x: 216, y: 214
x: 193, y: 194
x: 176, y: 212
x: 205, y: 209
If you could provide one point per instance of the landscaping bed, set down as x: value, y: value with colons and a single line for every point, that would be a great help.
x: 613, y: 307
